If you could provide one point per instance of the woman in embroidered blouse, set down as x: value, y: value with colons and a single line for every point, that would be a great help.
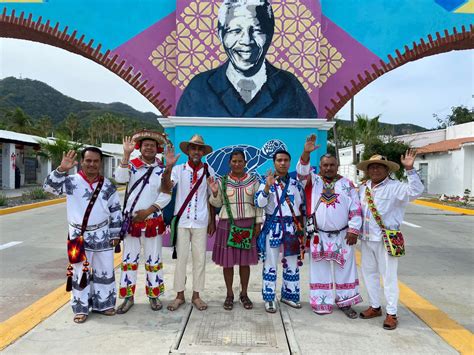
x: 241, y: 188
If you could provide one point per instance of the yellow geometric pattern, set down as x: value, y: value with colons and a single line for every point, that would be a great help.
x: 298, y: 45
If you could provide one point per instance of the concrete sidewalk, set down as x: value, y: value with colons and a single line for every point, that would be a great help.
x: 187, y: 330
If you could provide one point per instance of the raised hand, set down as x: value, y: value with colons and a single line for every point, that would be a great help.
x: 213, y: 185
x: 69, y: 161
x: 170, y: 157
x: 310, y: 144
x: 128, y: 145
x: 270, y: 178
x: 408, y: 159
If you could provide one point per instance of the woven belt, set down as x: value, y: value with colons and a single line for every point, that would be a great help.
x: 91, y: 227
x: 332, y: 232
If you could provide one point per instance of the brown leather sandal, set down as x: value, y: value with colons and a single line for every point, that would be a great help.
x: 390, y: 322
x: 246, y: 302
x: 229, y: 303
x: 80, y: 318
x: 371, y: 313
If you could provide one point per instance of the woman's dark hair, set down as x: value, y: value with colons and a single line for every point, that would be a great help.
x: 92, y: 149
x: 281, y: 151
x: 237, y: 152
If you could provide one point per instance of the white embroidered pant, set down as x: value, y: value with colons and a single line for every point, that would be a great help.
x: 290, y: 287
x: 100, y: 292
x: 375, y: 263
x: 345, y: 279
x: 197, y: 238
x: 152, y: 248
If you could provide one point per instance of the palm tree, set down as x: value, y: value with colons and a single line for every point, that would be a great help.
x: 19, y: 121
x: 71, y: 123
x: 54, y: 151
x: 44, y: 126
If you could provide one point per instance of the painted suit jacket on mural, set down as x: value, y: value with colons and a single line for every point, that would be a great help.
x: 106, y: 217
x: 337, y: 210
x: 211, y: 94
x: 274, y: 230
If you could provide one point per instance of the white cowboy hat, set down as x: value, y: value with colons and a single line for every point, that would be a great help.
x: 196, y: 140
x: 378, y: 159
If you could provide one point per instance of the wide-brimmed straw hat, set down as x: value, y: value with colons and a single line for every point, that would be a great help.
x: 158, y: 137
x: 378, y: 159
x: 196, y: 140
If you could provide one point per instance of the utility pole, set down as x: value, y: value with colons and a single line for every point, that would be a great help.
x: 354, y: 153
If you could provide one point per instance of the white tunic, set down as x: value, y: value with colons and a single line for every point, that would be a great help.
x: 391, y: 198
x: 196, y: 213
x: 335, y: 213
x: 105, y: 218
x: 151, y: 194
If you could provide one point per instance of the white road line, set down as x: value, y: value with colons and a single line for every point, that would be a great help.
x: 411, y: 224
x: 8, y: 245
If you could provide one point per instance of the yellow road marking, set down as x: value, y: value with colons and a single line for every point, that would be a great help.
x: 448, y: 329
x: 444, y: 207
x: 25, y: 320
x: 30, y: 206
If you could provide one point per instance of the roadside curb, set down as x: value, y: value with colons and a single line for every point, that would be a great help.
x: 21, y: 323
x: 444, y: 207
x: 31, y: 206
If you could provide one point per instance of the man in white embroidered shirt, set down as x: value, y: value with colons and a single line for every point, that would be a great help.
x: 333, y: 209
x: 143, y: 210
x: 383, y: 203
x: 196, y: 221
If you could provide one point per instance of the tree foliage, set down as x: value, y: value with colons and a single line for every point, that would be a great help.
x: 458, y: 115
x: 392, y: 149
x: 54, y: 151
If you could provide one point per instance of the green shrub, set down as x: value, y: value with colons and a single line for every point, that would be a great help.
x: 3, y: 200
x: 36, y: 194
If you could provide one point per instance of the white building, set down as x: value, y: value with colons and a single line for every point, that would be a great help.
x: 445, y: 159
x: 21, y: 164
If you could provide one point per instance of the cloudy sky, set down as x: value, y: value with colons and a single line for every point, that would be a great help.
x: 409, y: 94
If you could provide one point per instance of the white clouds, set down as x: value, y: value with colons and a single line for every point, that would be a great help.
x: 71, y: 74
x: 417, y: 90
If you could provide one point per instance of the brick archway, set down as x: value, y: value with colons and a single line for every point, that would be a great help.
x: 12, y: 26
x: 19, y: 27
x: 441, y: 44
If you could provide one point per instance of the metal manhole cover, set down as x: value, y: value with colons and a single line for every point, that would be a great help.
x: 238, y: 331
x: 239, y: 328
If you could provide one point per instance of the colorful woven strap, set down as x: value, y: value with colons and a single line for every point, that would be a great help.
x: 372, y: 208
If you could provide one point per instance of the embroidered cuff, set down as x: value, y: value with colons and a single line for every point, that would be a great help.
x: 354, y: 231
x: 264, y: 194
x: 60, y: 172
x: 411, y: 172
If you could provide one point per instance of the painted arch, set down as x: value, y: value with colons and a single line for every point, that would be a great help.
x: 334, y: 47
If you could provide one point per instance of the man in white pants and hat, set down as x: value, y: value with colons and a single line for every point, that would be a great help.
x: 383, y: 202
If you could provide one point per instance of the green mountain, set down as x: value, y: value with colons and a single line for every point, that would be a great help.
x: 392, y: 129
x: 38, y: 99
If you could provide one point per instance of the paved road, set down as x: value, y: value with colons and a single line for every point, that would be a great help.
x: 440, y: 260
x: 438, y: 264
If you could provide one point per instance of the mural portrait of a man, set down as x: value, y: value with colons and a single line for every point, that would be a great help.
x: 246, y: 85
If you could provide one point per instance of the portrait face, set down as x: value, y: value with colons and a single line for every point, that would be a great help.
x: 149, y: 149
x: 377, y: 172
x: 195, y: 153
x: 246, y: 36
x: 91, y: 163
x: 237, y: 164
x: 282, y: 164
x: 328, y: 167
